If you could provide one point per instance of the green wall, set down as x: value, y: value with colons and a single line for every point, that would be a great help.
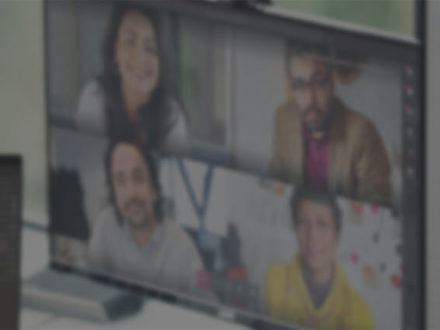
x: 390, y: 15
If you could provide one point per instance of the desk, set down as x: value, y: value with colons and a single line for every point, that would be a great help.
x: 155, y: 314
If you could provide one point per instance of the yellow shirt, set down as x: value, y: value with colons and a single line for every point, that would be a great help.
x: 286, y: 298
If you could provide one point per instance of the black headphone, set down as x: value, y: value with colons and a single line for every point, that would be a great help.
x: 150, y: 160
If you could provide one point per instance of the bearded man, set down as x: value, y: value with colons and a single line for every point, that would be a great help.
x: 131, y: 239
x: 319, y: 142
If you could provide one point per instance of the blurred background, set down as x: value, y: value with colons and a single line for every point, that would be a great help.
x: 397, y: 16
x: 22, y: 100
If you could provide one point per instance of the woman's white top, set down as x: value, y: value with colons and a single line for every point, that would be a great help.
x: 90, y: 117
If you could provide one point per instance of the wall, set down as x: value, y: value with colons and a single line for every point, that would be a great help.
x: 433, y: 164
x: 395, y: 16
x: 22, y: 117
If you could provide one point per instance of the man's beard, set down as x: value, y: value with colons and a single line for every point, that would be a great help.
x: 147, y: 219
x: 318, y: 126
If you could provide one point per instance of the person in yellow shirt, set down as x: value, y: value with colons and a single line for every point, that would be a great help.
x: 311, y: 290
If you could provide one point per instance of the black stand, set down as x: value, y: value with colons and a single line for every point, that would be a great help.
x: 247, y: 4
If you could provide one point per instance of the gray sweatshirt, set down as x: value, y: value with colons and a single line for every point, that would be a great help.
x: 169, y: 259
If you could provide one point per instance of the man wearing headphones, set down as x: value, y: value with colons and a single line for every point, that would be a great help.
x: 131, y: 239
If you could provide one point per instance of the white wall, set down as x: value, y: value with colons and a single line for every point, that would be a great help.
x: 22, y: 108
x: 258, y: 87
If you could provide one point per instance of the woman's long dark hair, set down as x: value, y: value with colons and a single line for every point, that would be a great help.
x: 156, y: 115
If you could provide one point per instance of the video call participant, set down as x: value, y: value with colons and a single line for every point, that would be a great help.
x: 129, y: 99
x: 130, y: 238
x: 319, y: 142
x: 312, y: 290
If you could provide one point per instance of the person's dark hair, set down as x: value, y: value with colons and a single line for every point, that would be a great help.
x: 156, y: 116
x: 346, y: 64
x: 321, y: 197
x: 302, y: 48
x: 151, y: 163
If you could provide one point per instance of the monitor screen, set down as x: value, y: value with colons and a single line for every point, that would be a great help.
x: 237, y: 158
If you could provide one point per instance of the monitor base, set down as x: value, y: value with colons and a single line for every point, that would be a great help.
x: 73, y: 295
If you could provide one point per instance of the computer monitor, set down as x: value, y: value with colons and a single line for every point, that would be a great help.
x: 189, y: 141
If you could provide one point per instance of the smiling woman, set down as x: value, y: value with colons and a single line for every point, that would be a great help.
x: 136, y: 56
x: 129, y: 99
